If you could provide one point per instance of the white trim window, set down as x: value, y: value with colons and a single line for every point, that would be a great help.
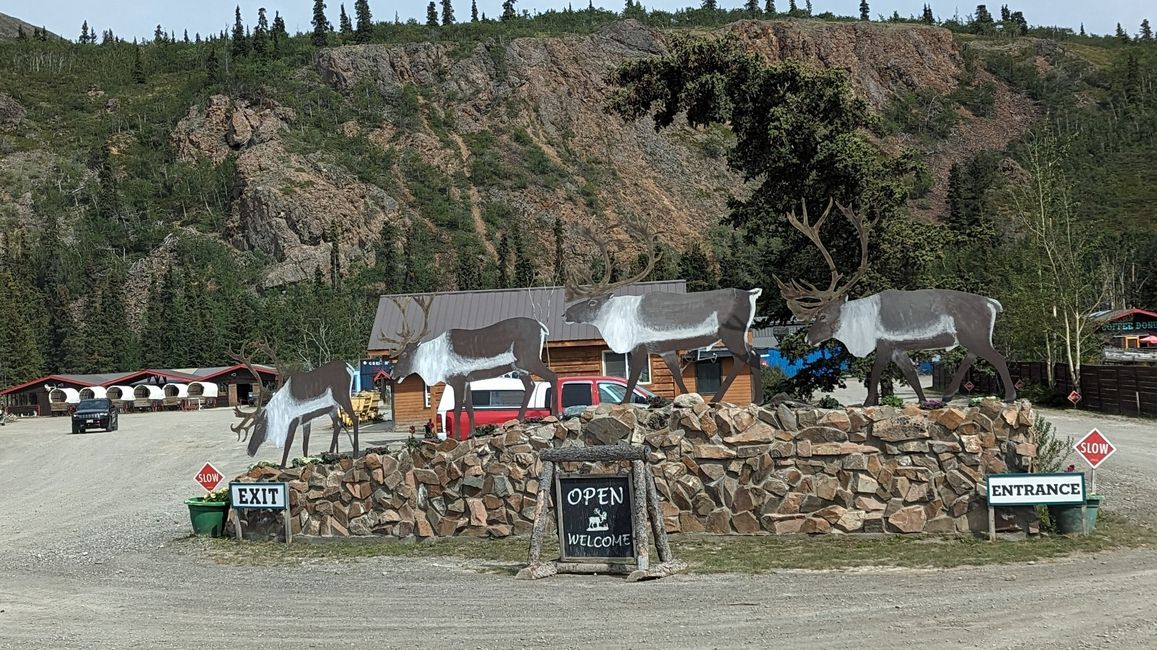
x: 615, y: 365
x: 425, y: 394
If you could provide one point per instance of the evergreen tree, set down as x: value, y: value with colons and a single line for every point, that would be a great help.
x: 186, y: 39
x: 928, y: 18
x: 524, y: 272
x: 20, y: 35
x: 808, y: 7
x: 769, y: 7
x: 320, y: 24
x: 84, y: 33
x: 473, y: 11
x: 504, y: 257
x: 695, y: 268
x: 158, y: 35
x: 865, y: 12
x: 345, y: 26
x: 792, y: 9
x: 559, y: 276
x: 334, y: 259
x: 1146, y: 32
x: 277, y: 34
x: 751, y: 7
x: 710, y: 5
x: 1121, y: 34
x: 20, y: 358
x: 240, y: 43
x: 431, y: 14
x: 63, y: 344
x: 212, y: 67
x: 447, y: 13
x: 1082, y: 32
x: 261, y: 45
x: 508, y: 12
x: 197, y: 38
x: 982, y: 22
x: 365, y: 22
x: 138, y: 66
x: 1019, y: 25
x: 1005, y: 14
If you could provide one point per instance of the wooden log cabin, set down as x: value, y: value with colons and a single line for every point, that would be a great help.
x: 571, y: 350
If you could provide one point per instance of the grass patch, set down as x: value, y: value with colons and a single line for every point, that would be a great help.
x: 704, y: 554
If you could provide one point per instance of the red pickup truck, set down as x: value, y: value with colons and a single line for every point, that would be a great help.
x: 497, y: 400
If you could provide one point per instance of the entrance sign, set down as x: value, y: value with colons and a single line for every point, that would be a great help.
x: 260, y: 496
x: 1094, y: 448
x: 209, y: 477
x: 596, y: 517
x: 605, y: 521
x: 1066, y: 488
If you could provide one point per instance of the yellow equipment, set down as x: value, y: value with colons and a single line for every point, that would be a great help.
x: 366, y: 405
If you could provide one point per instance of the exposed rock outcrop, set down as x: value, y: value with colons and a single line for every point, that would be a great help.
x: 226, y: 125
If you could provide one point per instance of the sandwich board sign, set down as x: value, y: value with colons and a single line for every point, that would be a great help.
x: 259, y: 496
x: 596, y: 517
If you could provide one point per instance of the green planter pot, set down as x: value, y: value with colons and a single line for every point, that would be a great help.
x: 1068, y: 518
x: 207, y: 517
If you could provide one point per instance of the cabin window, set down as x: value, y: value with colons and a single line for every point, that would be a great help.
x: 426, y: 394
x: 615, y: 365
x: 708, y: 377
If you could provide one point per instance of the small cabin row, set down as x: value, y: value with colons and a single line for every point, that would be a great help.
x: 144, y: 397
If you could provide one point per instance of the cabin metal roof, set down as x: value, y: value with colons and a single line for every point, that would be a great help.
x: 474, y: 309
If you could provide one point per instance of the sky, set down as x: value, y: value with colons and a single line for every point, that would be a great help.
x: 138, y: 18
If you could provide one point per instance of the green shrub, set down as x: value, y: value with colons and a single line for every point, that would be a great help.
x: 891, y: 400
x: 1051, y: 451
x: 829, y: 402
x: 774, y: 381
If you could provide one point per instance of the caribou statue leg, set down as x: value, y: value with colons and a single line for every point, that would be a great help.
x: 735, y: 340
x: 459, y: 384
x: 908, y: 369
x: 635, y: 360
x: 672, y: 360
x: 958, y: 377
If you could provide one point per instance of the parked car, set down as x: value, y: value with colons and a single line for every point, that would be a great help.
x: 498, y: 400
x: 95, y: 414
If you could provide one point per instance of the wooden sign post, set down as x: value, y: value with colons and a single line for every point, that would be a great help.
x: 602, y: 518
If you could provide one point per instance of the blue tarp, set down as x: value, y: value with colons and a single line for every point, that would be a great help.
x: 776, y: 359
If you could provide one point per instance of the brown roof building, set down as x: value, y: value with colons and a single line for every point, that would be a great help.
x: 571, y: 350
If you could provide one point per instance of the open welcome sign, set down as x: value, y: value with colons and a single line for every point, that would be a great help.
x: 595, y: 517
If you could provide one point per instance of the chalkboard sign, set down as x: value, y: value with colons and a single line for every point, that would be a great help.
x: 595, y: 517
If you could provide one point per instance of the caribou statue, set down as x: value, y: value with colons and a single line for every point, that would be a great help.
x: 662, y: 323
x: 460, y: 356
x: 296, y: 400
x: 892, y: 323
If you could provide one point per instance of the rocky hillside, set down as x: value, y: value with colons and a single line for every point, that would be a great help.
x: 518, y: 128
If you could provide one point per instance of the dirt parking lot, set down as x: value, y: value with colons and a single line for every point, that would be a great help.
x: 91, y: 555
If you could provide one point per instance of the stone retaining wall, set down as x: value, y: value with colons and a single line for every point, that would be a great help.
x: 719, y: 469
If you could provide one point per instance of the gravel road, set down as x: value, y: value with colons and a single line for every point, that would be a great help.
x: 91, y: 556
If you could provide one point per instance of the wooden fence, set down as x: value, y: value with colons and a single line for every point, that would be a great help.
x: 1121, y: 390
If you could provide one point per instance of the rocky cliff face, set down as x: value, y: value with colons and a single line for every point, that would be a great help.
x: 503, y: 99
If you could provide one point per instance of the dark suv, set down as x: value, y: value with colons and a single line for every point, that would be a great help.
x: 94, y: 414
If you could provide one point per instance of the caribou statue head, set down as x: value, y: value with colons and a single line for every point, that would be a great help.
x: 892, y: 323
x: 662, y: 323
x: 406, y: 342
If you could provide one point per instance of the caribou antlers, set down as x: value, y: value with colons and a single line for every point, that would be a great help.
x: 406, y: 336
x: 243, y: 427
x: 803, y: 298
x: 583, y: 285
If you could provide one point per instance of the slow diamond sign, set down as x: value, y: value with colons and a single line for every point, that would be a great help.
x: 1094, y: 448
x: 1074, y: 397
x: 209, y: 477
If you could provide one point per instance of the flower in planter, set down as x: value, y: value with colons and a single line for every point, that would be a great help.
x: 219, y: 495
x: 932, y: 404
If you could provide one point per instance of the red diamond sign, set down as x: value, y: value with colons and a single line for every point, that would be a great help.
x: 1074, y: 397
x: 209, y: 477
x: 1019, y: 384
x: 1094, y: 448
x: 968, y: 386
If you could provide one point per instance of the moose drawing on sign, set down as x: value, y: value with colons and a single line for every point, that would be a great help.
x: 598, y: 521
x: 460, y: 356
x: 662, y: 323
x: 892, y: 323
x: 296, y: 400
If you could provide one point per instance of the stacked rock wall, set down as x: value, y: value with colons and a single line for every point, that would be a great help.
x: 719, y: 469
